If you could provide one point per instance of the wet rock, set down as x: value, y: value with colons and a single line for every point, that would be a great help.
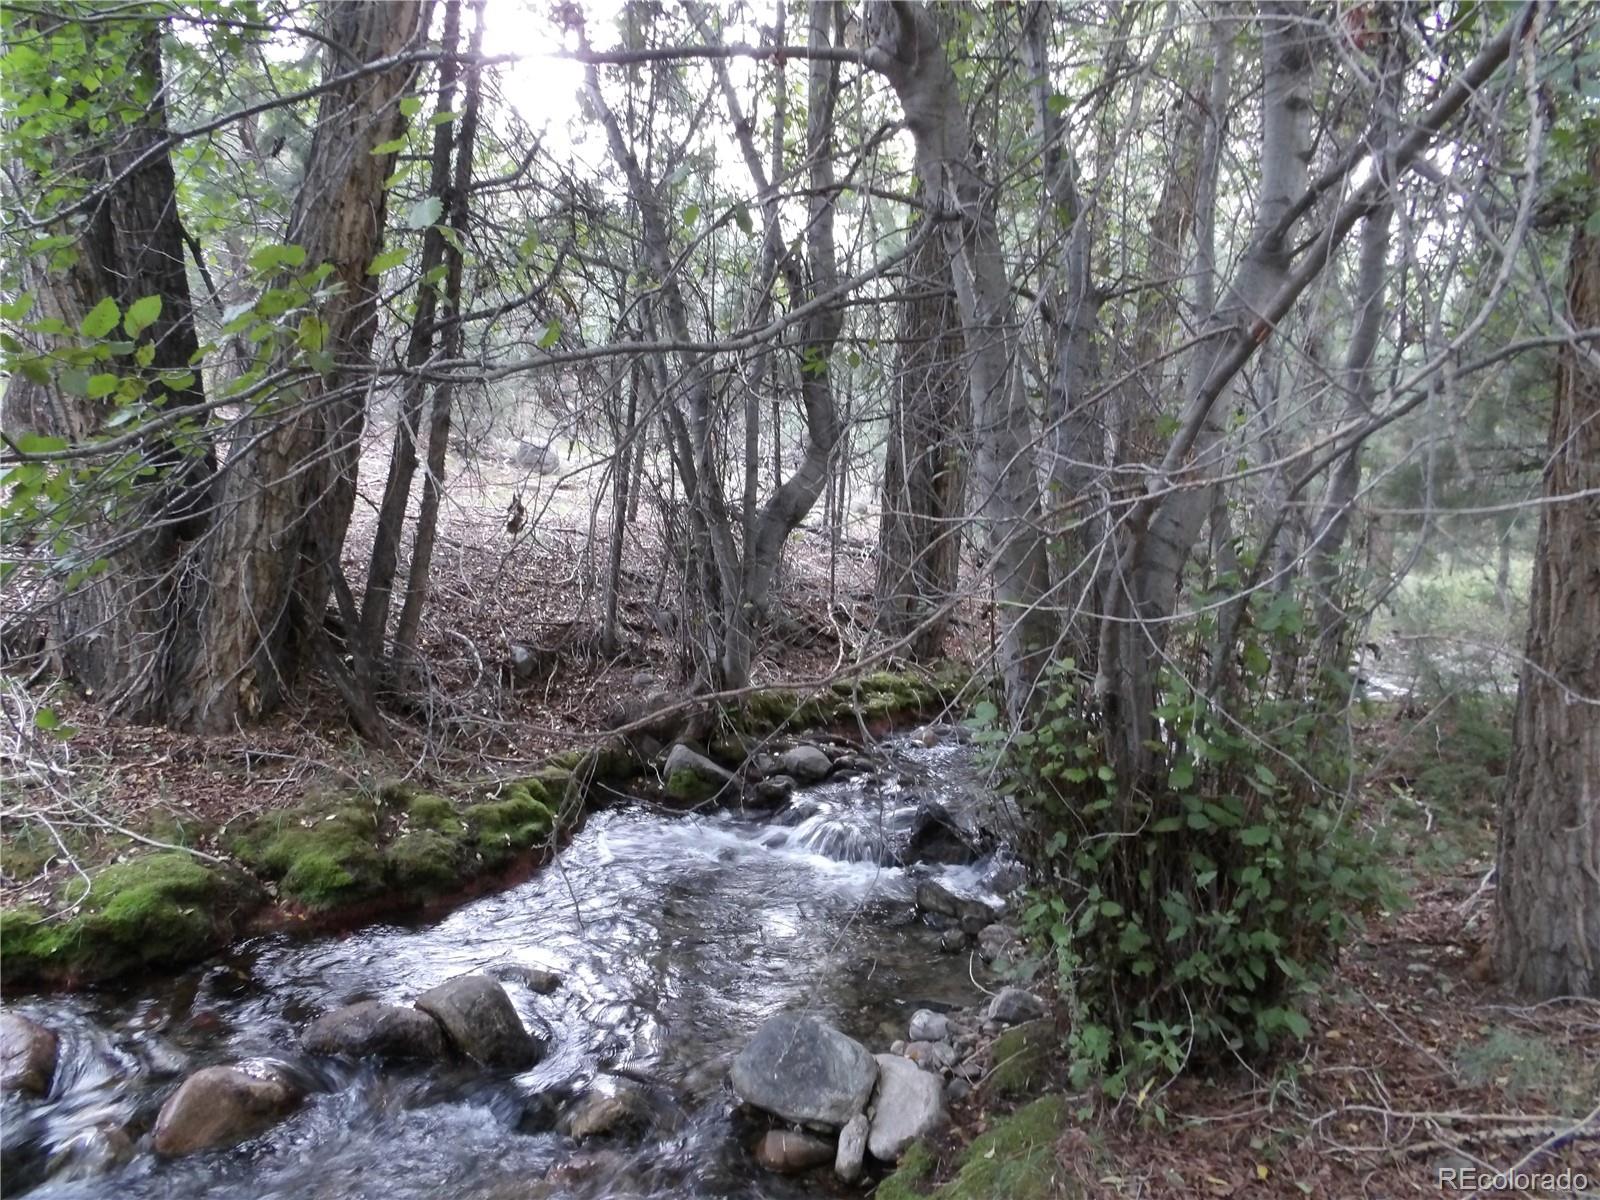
x: 806, y: 763
x: 953, y: 941
x: 692, y: 776
x: 931, y: 1056
x: 219, y: 1106
x: 852, y: 1151
x: 998, y: 942
x: 788, y: 1153
x: 28, y: 1053
x: 937, y: 836
x: 373, y: 1030
x: 804, y: 1071
x: 535, y: 979
x: 928, y: 1026
x: 479, y: 1020
x: 775, y: 789
x: 908, y: 1103
x: 1012, y: 1006
x: 607, y: 1108
x: 935, y: 897
x: 1005, y: 877
x: 94, y: 1152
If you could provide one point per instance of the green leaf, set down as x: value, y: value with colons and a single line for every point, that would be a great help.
x: 691, y: 214
x: 741, y: 217
x: 15, y: 310
x: 1256, y: 835
x: 550, y: 336
x: 387, y: 260
x: 1592, y: 225
x: 102, y: 319
x: 46, y: 718
x: 410, y: 106
x: 1181, y: 776
x: 270, y: 258
x: 141, y: 314
x: 390, y: 146
x: 1297, y: 1023
x: 424, y: 212
x: 38, y: 443
x: 101, y: 385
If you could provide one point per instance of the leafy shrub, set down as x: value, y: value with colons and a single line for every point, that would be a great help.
x: 1191, y: 919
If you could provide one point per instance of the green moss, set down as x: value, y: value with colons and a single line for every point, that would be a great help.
x: 1015, y: 1160
x: 428, y: 811
x: 150, y: 911
x: 323, y: 855
x: 916, y: 1166
x: 426, y: 862
x: 1022, y: 1058
x: 516, y: 821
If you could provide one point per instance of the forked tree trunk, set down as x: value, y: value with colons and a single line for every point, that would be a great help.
x: 924, y: 474
x: 1548, y: 929
x: 290, y: 485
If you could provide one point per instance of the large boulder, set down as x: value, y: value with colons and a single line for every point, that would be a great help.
x: 806, y: 763
x: 804, y: 1071
x: 219, y: 1106
x: 693, y: 776
x: 373, y: 1030
x: 479, y: 1020
x: 28, y: 1053
x: 908, y: 1104
x: 788, y: 1153
x: 938, y: 836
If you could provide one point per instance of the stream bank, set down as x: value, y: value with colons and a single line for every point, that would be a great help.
x: 643, y: 961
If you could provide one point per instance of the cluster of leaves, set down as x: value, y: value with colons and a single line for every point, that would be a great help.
x: 1192, y: 917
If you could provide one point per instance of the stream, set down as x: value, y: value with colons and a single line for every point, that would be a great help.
x: 674, y: 936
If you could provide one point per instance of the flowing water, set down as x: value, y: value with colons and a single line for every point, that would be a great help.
x: 675, y: 937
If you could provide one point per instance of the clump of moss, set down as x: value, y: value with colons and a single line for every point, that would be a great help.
x: 322, y: 855
x: 1022, y: 1058
x: 425, y: 862
x: 1015, y: 1160
x: 428, y: 811
x: 150, y: 911
x: 916, y: 1165
x: 517, y: 821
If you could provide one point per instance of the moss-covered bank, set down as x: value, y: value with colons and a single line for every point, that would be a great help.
x: 337, y: 859
x: 1014, y: 1160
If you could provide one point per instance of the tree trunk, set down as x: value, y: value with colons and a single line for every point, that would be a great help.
x: 924, y: 474
x: 1548, y: 929
x: 908, y: 50
x: 112, y: 629
x: 290, y: 484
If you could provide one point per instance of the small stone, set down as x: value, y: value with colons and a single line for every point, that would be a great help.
x: 535, y: 979
x: 934, y: 897
x: 479, y: 1019
x: 806, y: 763
x: 957, y: 1090
x: 220, y: 1106
x: 692, y: 776
x: 996, y: 942
x: 1006, y: 877
x: 852, y: 1150
x: 898, y: 1046
x: 788, y: 1153
x: 908, y: 1103
x: 971, y: 1070
x: 1012, y: 1006
x: 953, y: 941
x: 373, y: 1030
x: 928, y: 1026
x: 28, y: 1053
x: 931, y: 1056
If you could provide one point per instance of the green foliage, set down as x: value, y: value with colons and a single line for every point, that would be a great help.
x: 1014, y: 1160
x: 1191, y: 914
x: 1022, y: 1058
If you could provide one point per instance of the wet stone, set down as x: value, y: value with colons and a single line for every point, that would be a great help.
x: 852, y: 1150
x: 804, y: 1071
x: 928, y: 1026
x: 28, y: 1053
x: 480, y: 1021
x: 373, y: 1030
x: 786, y: 1152
x: 806, y: 764
x: 220, y: 1106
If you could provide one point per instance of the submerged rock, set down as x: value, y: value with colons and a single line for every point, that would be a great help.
x: 788, y: 1153
x: 804, y: 1071
x: 535, y: 979
x: 96, y: 1151
x: 28, y: 1053
x: 220, y: 1106
x: 775, y: 789
x: 937, y: 836
x: 908, y: 1103
x: 806, y: 763
x: 1012, y: 1006
x: 479, y: 1019
x: 689, y: 775
x: 852, y: 1151
x: 607, y: 1109
x: 373, y: 1030
x: 935, y: 897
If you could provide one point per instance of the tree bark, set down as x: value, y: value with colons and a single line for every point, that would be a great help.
x: 1548, y: 928
x: 290, y: 482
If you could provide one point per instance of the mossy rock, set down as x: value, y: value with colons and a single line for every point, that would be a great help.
x: 151, y: 911
x: 428, y: 811
x: 519, y: 820
x: 425, y: 862
x: 1014, y: 1160
x: 1022, y: 1058
x: 323, y: 856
